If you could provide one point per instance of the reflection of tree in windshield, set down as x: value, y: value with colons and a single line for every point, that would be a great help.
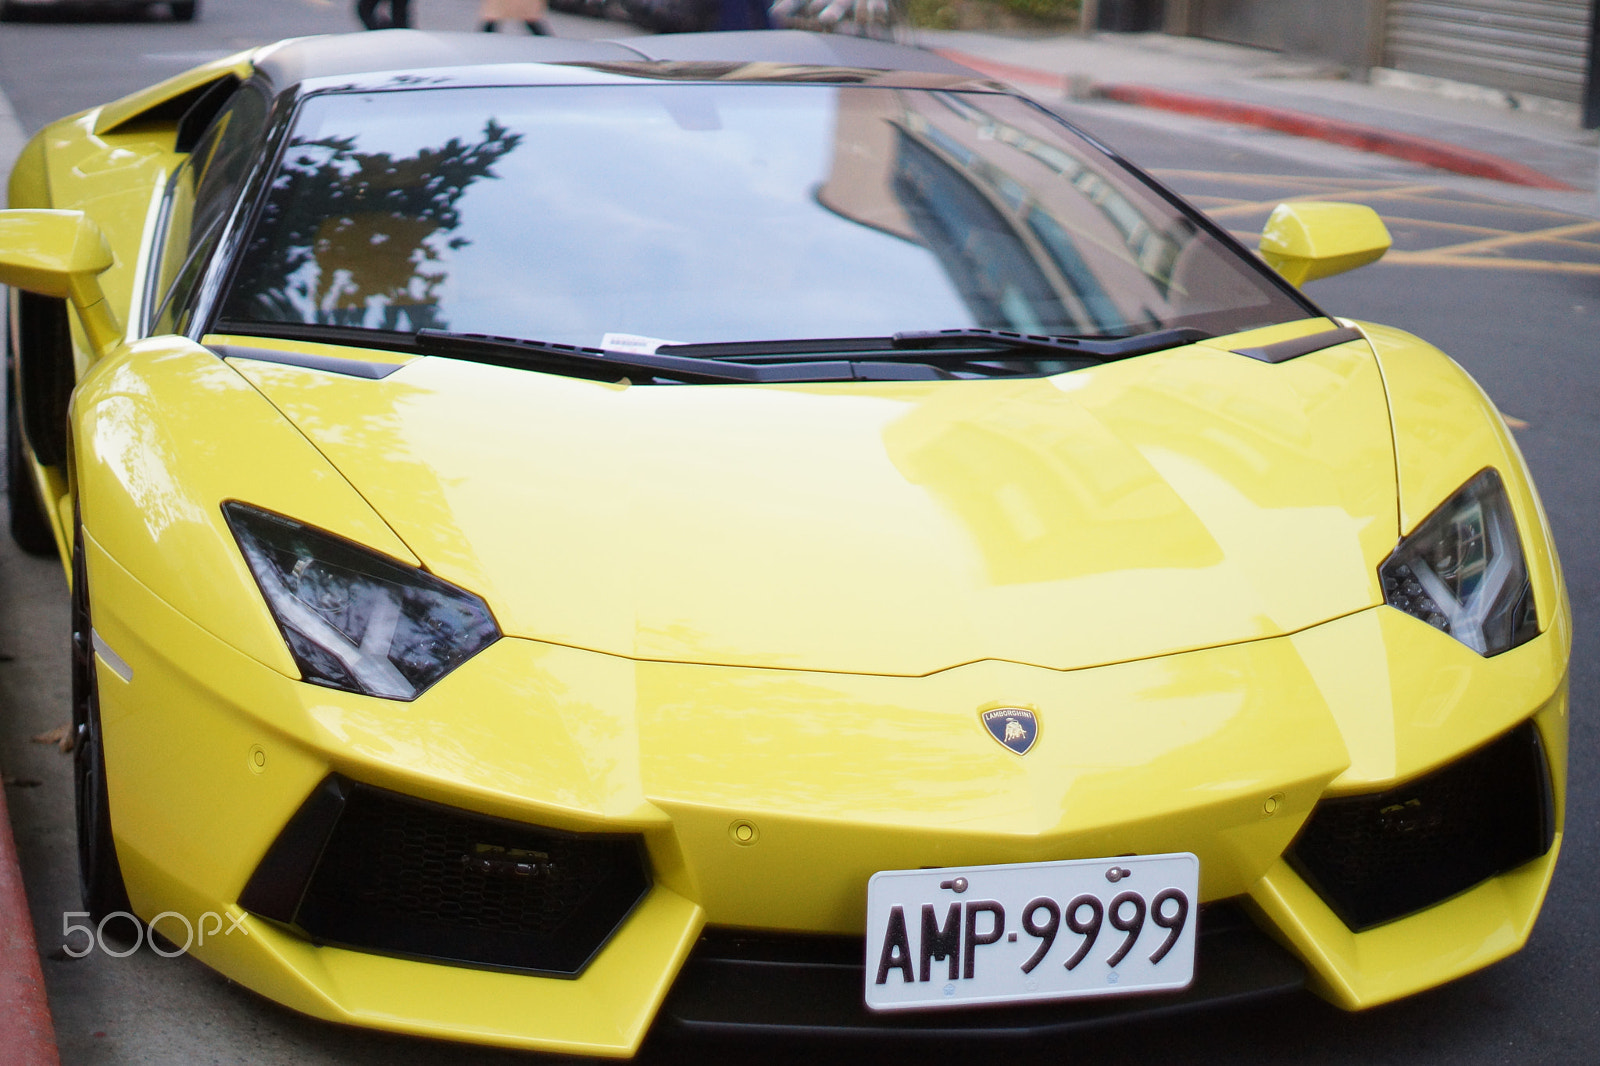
x: 357, y: 238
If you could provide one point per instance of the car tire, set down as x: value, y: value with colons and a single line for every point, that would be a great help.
x: 183, y: 12
x: 99, y: 873
x: 29, y: 526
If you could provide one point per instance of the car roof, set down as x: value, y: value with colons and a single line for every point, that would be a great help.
x: 403, y: 53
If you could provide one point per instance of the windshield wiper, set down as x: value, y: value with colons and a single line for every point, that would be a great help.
x: 594, y: 364
x: 573, y: 361
x: 916, y: 356
x: 602, y: 365
x: 910, y: 356
x: 945, y: 347
x: 1103, y: 348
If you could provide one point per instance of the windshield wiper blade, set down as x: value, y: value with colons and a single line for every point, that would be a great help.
x: 943, y: 347
x: 1104, y: 348
x: 594, y: 364
x: 602, y: 365
x: 908, y: 356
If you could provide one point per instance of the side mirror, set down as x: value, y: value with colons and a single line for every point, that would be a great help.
x: 1306, y: 241
x: 61, y: 254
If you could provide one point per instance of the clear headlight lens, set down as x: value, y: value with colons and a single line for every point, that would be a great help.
x: 354, y: 619
x: 1462, y: 570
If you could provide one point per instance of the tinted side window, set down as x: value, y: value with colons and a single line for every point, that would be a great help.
x: 203, y: 191
x: 224, y: 154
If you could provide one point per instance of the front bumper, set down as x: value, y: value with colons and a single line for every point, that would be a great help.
x: 1223, y: 752
x: 737, y: 983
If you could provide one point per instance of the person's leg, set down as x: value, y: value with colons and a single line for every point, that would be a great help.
x: 400, y: 13
x: 539, y: 28
x: 366, y: 11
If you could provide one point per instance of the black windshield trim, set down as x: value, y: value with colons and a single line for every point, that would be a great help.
x: 907, y: 356
x: 1104, y: 348
x: 1283, y: 351
x: 947, y: 346
x: 569, y: 360
x: 354, y: 368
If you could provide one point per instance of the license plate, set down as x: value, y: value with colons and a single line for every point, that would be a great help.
x: 1030, y: 931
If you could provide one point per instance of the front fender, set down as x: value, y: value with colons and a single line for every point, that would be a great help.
x: 163, y: 433
x: 1446, y: 429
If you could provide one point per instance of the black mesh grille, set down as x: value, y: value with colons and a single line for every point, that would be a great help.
x: 1376, y: 858
x: 401, y: 876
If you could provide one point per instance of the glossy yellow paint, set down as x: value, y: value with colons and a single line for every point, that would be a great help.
x: 842, y: 774
x: 1449, y: 940
x: 53, y: 253
x: 1451, y: 431
x: 1306, y: 240
x: 897, y: 527
x: 1421, y: 696
x: 605, y: 1012
x: 109, y: 162
x: 1123, y: 549
x: 61, y: 254
x: 165, y: 433
x: 133, y: 107
x: 112, y: 178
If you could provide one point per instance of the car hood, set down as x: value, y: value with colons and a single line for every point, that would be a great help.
x: 1179, y: 500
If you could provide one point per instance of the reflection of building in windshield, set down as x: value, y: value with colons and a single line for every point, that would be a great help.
x: 1033, y: 238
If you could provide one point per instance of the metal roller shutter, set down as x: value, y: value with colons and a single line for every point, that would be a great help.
x: 1529, y: 46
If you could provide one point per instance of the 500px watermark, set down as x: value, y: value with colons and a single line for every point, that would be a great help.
x: 211, y: 924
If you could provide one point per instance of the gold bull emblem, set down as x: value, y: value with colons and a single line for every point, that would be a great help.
x: 1014, y: 731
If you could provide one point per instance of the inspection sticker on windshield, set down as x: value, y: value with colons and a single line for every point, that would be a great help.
x: 1030, y: 931
x: 632, y: 343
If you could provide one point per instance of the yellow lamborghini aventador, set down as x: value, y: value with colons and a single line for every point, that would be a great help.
x: 755, y: 531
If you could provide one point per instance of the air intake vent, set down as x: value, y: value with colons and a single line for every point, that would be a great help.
x: 1379, y: 857
x: 374, y: 870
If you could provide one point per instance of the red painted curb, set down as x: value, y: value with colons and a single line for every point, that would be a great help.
x: 27, y: 1037
x: 1407, y: 146
x: 994, y: 68
x: 1440, y: 155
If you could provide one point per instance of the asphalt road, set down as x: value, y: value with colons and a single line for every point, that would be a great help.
x: 1510, y: 287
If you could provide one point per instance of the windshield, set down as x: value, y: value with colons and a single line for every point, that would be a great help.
x: 617, y: 215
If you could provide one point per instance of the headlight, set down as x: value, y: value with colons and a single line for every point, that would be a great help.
x: 354, y: 619
x: 1462, y: 570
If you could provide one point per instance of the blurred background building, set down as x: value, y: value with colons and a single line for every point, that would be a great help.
x: 1530, y: 50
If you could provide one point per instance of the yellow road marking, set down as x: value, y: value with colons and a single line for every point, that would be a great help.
x: 1448, y: 197
x: 1431, y: 258
x: 1499, y: 209
x: 1539, y: 236
x: 1581, y: 236
x: 1532, y: 236
x: 1274, y: 179
x: 1539, y: 265
x: 1407, y: 220
x: 1352, y: 194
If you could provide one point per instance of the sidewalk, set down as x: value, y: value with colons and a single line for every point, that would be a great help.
x: 1251, y: 86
